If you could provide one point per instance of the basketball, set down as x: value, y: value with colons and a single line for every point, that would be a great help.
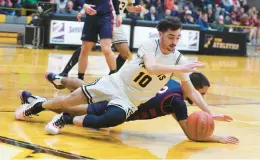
x: 200, y: 125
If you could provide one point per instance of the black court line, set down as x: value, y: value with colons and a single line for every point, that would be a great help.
x: 40, y: 149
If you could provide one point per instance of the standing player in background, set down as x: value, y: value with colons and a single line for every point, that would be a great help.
x: 119, y: 39
x: 98, y: 22
x: 168, y: 101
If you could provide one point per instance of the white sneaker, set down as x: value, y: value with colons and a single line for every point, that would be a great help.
x: 24, y: 111
x: 55, y: 125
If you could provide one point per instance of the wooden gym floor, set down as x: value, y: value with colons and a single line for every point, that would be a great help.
x: 235, y: 90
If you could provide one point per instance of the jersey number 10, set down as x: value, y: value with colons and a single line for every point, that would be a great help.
x: 143, y: 79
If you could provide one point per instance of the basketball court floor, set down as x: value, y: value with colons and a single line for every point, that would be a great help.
x: 235, y: 90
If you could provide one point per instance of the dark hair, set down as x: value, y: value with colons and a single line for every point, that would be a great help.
x: 172, y: 23
x: 199, y: 80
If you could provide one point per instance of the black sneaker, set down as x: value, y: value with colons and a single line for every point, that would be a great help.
x: 54, y: 79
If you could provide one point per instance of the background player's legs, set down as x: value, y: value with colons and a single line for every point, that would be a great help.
x: 109, y: 55
x: 124, y: 54
x: 71, y: 63
x: 83, y: 58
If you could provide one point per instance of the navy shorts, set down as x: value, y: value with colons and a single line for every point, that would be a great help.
x: 97, y: 108
x: 101, y: 25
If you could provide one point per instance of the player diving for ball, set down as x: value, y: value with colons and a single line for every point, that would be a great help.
x: 168, y: 101
x: 136, y: 82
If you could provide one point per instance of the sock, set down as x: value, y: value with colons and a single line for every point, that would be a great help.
x: 111, y: 72
x: 81, y: 76
x: 119, y: 62
x: 37, y: 108
x: 68, y: 119
x: 73, y: 60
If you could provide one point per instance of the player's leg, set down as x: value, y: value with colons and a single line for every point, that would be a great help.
x: 121, y: 44
x: 105, y: 34
x: 71, y: 63
x: 124, y: 54
x: 112, y: 117
x: 93, y: 109
x: 89, y: 38
x: 75, y: 98
x: 83, y: 58
x: 60, y: 82
x: 90, y: 93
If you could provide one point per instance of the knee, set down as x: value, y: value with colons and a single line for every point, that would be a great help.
x: 106, y: 50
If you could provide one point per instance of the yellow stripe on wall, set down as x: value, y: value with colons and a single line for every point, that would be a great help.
x: 29, y: 18
x: 2, y: 18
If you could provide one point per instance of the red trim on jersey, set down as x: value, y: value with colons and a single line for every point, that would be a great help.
x: 153, y: 112
x: 162, y: 102
x: 144, y: 115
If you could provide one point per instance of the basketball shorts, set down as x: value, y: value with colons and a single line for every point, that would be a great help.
x: 106, y: 89
x: 119, y: 35
x: 98, y: 25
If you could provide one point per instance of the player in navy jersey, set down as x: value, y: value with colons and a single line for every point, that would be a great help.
x: 99, y: 21
x: 168, y: 101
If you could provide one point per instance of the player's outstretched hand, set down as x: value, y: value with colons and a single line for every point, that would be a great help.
x: 222, y: 117
x: 89, y: 9
x: 229, y: 139
x: 189, y: 67
x: 138, y: 8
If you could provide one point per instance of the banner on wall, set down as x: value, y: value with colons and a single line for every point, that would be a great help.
x: 220, y: 43
x: 69, y: 32
x: 189, y: 40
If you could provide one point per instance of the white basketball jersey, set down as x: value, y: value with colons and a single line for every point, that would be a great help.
x: 138, y: 84
x: 122, y: 5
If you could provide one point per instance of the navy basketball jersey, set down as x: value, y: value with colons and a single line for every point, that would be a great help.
x: 101, y: 6
x: 167, y: 101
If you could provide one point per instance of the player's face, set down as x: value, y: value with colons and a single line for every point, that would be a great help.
x: 203, y: 90
x: 169, y: 39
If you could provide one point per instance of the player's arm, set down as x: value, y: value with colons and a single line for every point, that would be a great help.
x: 154, y: 68
x: 135, y: 9
x: 189, y: 89
x: 212, y: 138
x: 116, y: 6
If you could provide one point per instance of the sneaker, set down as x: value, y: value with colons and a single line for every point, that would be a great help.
x: 27, y: 97
x: 24, y: 96
x: 25, y: 110
x: 55, y: 125
x: 54, y: 79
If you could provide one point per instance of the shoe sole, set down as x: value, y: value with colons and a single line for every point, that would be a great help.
x: 56, y: 86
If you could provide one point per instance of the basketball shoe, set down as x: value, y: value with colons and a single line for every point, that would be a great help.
x: 55, y: 80
x: 55, y: 125
x: 27, y: 97
x: 28, y: 110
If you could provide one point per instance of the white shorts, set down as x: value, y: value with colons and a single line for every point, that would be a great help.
x: 119, y: 35
x: 105, y: 89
